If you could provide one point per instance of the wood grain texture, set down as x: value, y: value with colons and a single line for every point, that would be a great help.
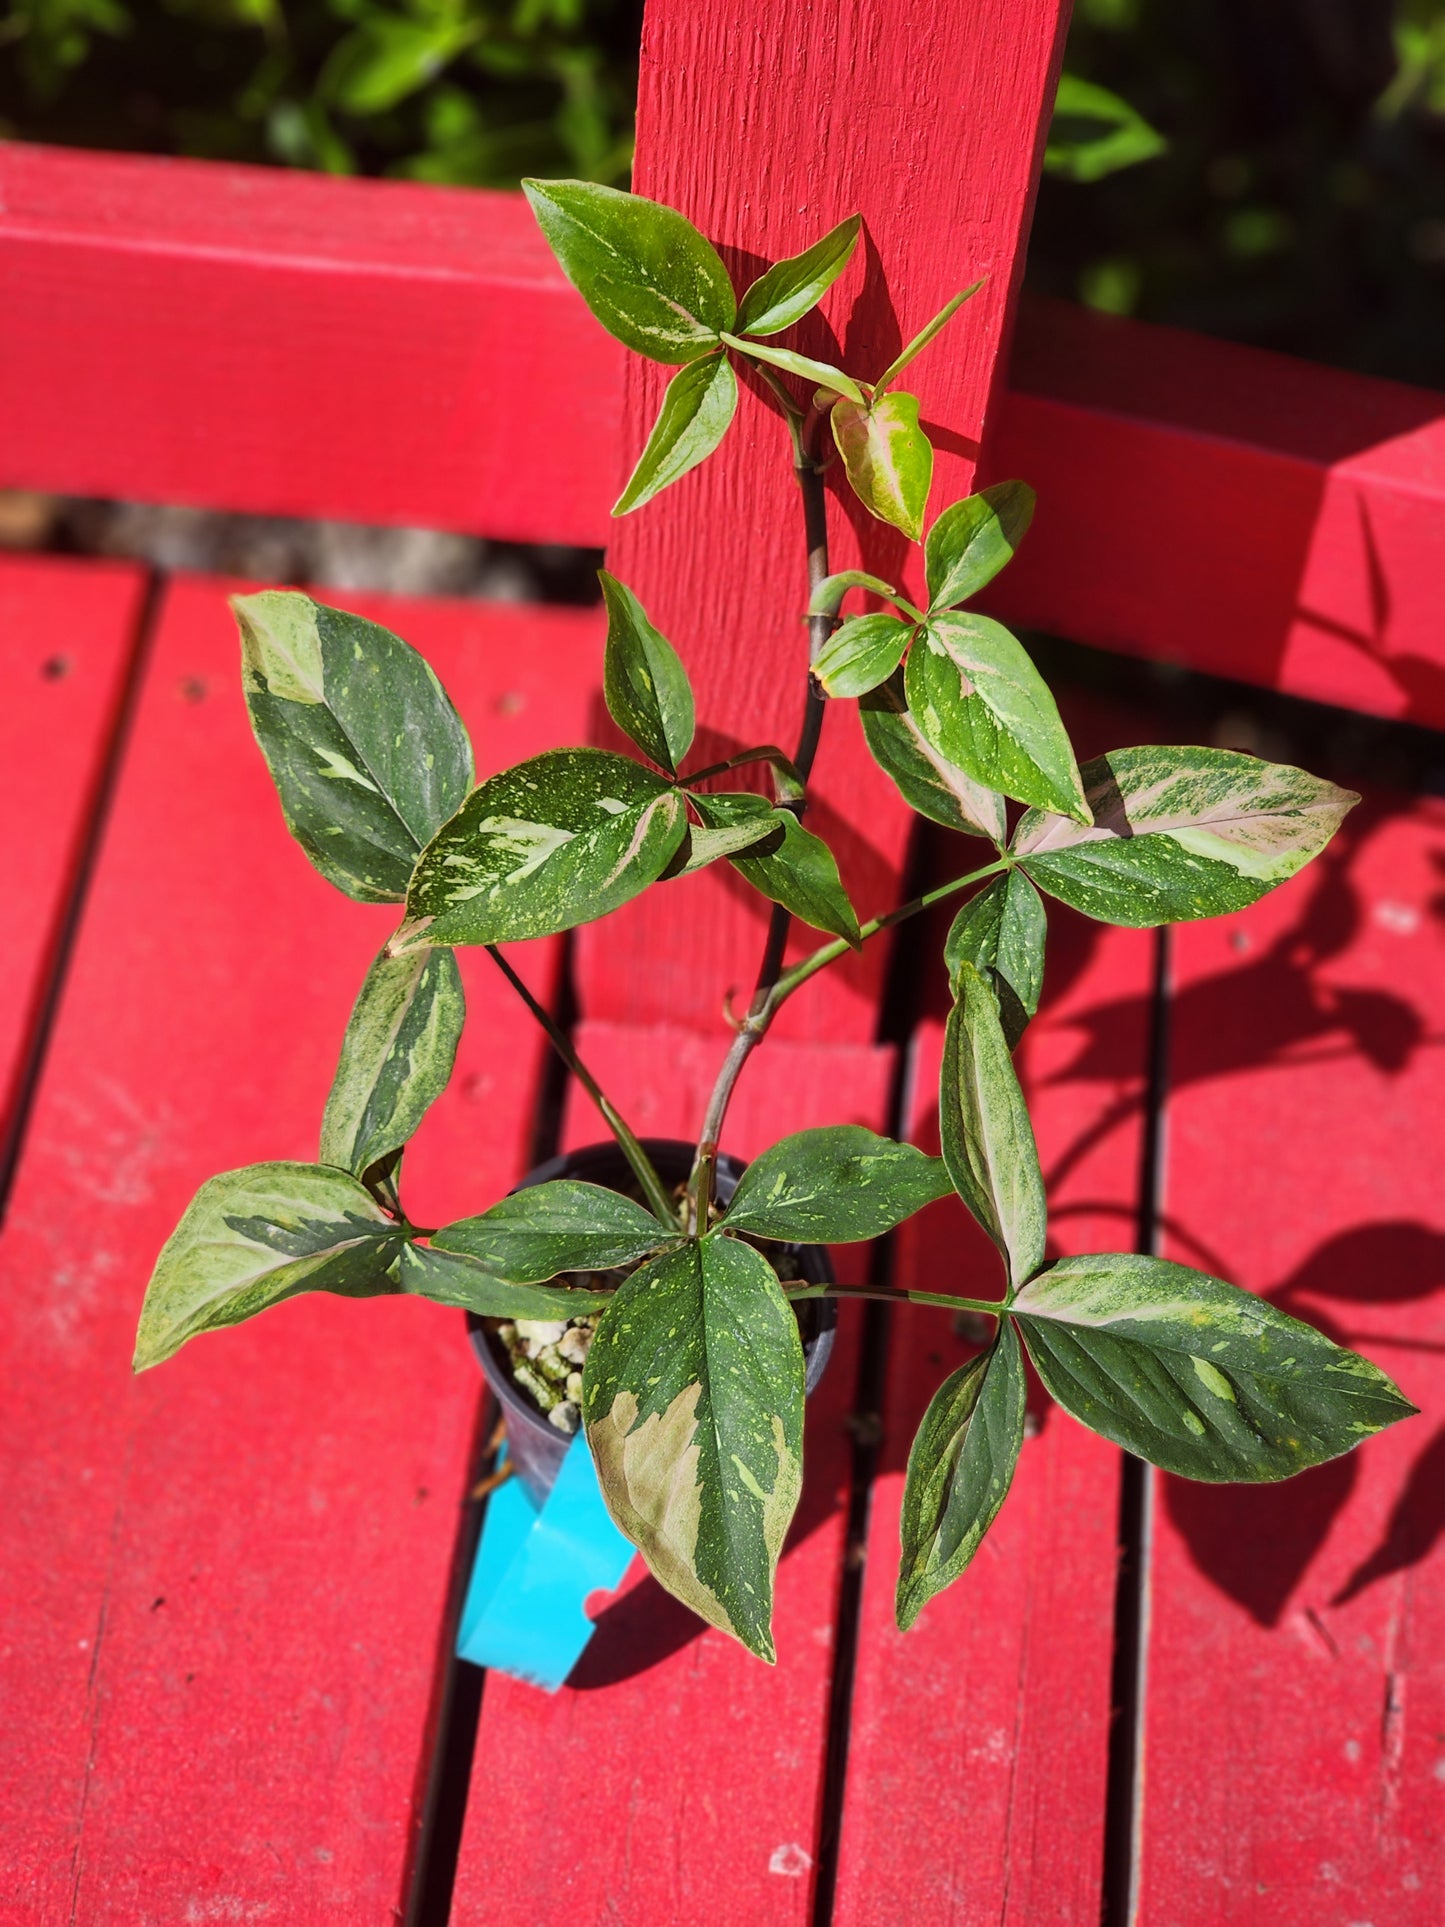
x: 223, y: 1583
x: 1298, y: 1631
x: 979, y: 1739
x: 67, y: 632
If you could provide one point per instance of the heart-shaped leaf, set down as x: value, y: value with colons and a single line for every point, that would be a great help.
x: 979, y: 700
x: 927, y: 781
x: 790, y: 289
x: 646, y: 687
x: 555, y: 842
x: 545, y: 1229
x: 367, y: 753
x: 396, y: 1057
x: 975, y: 538
x: 643, y: 269
x: 888, y: 458
x: 692, y: 1396
x: 1195, y: 1375
x: 862, y: 653
x: 983, y: 1122
x: 1180, y: 833
x: 1002, y: 932
x: 696, y: 413
x: 834, y: 1185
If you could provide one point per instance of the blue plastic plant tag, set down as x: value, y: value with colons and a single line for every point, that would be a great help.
x: 534, y: 1571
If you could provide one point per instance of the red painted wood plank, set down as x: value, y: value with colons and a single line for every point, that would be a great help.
x: 979, y: 1740
x: 708, y: 1763
x: 250, y: 339
x: 1294, y: 1767
x: 67, y: 630
x: 223, y: 1583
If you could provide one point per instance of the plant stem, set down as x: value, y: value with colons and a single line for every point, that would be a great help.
x: 991, y: 1307
x: 643, y: 1168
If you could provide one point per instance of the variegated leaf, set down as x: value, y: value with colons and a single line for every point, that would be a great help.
x: 888, y: 458
x: 555, y: 842
x: 545, y: 1229
x: 960, y: 1468
x: 1195, y: 1375
x: 733, y: 821
x: 366, y: 751
x: 927, y: 781
x: 396, y: 1057
x: 835, y: 1184
x: 453, y: 1278
x: 1180, y: 833
x: 791, y: 867
x: 253, y: 1237
x: 790, y: 289
x: 1002, y: 932
x: 696, y: 413
x: 692, y: 1397
x: 987, y: 1139
x: 862, y: 653
x: 646, y: 687
x: 975, y: 538
x: 978, y: 699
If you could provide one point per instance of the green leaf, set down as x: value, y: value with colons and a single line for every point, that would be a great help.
x: 888, y: 458
x: 987, y: 1139
x: 1180, y: 833
x: 365, y: 749
x: 827, y: 598
x: 396, y: 1057
x: 1002, y: 932
x: 802, y: 875
x: 647, y: 690
x: 386, y: 59
x: 696, y: 413
x: 960, y: 1468
x: 644, y: 270
x: 452, y: 1278
x: 975, y: 538
x: 557, y: 841
x: 252, y: 1237
x: 921, y: 340
x: 1095, y: 133
x: 545, y: 1229
x: 823, y: 373
x: 734, y: 821
x: 928, y: 782
x: 692, y: 1397
x: 790, y: 289
x: 979, y: 700
x: 834, y: 1185
x: 862, y: 653
x: 1195, y: 1375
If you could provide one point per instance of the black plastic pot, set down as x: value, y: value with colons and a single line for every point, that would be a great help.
x: 535, y: 1446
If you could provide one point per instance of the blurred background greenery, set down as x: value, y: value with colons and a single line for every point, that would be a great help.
x: 1269, y: 170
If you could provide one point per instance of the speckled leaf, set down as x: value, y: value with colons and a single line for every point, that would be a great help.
x: 396, y: 1057
x: 366, y: 751
x: 960, y: 1468
x: 862, y: 653
x: 1180, y: 833
x: 987, y: 1139
x: 1195, y: 1375
x: 801, y: 874
x: 927, y: 781
x: 1002, y: 932
x: 252, y: 1237
x: 692, y: 1397
x: 645, y: 272
x: 834, y: 1185
x: 646, y: 687
x: 696, y: 413
x: 791, y: 288
x: 979, y: 700
x: 975, y: 538
x: 555, y: 842
x: 888, y: 458
x: 546, y: 1229
x: 732, y: 821
x: 452, y: 1278
x: 820, y: 373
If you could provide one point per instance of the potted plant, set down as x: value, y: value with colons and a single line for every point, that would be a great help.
x: 691, y: 1390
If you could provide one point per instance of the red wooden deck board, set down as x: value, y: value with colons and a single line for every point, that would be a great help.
x: 224, y: 1582
x: 67, y: 632
x: 1294, y: 1759
x: 708, y: 1764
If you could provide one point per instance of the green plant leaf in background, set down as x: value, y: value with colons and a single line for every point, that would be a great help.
x: 697, y: 411
x: 822, y: 373
x: 251, y: 1238
x: 834, y: 1185
x: 367, y: 753
x: 643, y: 269
x: 390, y: 56
x: 453, y: 1278
x: 1195, y: 1375
x: 396, y: 1057
x: 646, y: 687
x: 544, y: 1229
x: 861, y: 653
x: 557, y: 841
x: 960, y: 1467
x: 1095, y: 133
x: 975, y: 538
x: 979, y: 700
x: 1002, y: 932
x: 1180, y: 833
x: 888, y: 458
x: 926, y: 780
x: 692, y: 1396
x: 790, y: 289
x: 984, y: 1128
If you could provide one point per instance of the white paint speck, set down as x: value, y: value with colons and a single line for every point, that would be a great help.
x: 1352, y: 1751
x: 790, y: 1860
x: 1400, y: 919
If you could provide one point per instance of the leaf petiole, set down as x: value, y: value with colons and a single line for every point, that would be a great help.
x: 990, y: 1307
